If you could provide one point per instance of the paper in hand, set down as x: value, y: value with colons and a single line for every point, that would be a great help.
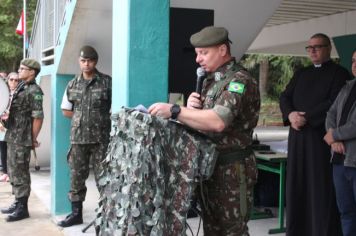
x: 141, y: 108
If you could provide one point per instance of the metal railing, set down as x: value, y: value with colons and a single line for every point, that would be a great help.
x: 49, y: 17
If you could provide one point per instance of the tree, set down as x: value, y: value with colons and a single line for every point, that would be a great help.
x: 274, y: 72
x: 10, y: 42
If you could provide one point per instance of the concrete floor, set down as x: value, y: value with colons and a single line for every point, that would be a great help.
x: 42, y: 224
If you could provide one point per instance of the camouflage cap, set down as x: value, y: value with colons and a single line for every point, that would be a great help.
x: 209, y: 36
x: 88, y: 52
x: 31, y: 63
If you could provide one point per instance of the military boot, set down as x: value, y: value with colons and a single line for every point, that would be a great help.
x: 74, y: 218
x: 10, y: 209
x: 21, y: 211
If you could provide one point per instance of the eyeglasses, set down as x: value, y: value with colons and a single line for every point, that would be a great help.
x: 13, y: 80
x: 23, y: 68
x: 316, y: 47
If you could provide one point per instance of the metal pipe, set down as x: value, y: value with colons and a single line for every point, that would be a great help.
x: 271, y: 133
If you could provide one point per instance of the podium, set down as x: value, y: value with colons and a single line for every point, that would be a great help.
x: 151, y: 170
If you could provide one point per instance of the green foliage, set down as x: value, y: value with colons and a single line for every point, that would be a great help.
x: 11, y: 43
x: 281, y: 69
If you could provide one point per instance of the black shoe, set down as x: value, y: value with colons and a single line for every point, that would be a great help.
x: 10, y: 209
x: 74, y: 218
x: 20, y: 213
x: 71, y: 219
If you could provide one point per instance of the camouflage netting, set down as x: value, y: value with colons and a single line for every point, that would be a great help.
x: 151, y: 171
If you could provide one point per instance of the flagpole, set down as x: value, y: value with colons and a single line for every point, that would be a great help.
x: 24, y: 29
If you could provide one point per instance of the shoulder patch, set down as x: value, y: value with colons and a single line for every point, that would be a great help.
x: 236, y: 87
x: 38, y: 97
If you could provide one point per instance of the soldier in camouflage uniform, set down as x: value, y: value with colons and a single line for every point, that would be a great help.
x: 23, y: 126
x: 227, y: 111
x: 87, y: 101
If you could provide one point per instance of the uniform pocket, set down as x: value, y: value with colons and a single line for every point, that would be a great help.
x: 98, y: 97
x: 76, y: 119
x: 20, y: 157
x: 251, y: 169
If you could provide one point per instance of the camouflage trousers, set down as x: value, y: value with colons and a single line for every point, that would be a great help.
x: 18, y: 168
x: 227, y: 198
x: 80, y: 156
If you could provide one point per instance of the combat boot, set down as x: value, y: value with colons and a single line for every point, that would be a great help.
x: 10, y: 209
x: 74, y: 218
x: 21, y: 211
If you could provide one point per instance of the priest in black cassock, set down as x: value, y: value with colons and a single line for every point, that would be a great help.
x: 310, y: 196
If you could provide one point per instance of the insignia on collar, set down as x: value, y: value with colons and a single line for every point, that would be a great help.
x: 218, y: 76
x: 236, y: 87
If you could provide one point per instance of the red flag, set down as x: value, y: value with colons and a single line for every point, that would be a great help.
x: 20, y: 25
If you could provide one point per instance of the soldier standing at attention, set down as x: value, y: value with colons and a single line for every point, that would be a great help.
x: 23, y: 126
x: 227, y: 111
x: 87, y: 101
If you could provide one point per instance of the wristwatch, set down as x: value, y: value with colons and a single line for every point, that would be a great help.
x: 175, y: 110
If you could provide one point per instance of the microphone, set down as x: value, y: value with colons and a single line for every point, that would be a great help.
x: 201, y: 75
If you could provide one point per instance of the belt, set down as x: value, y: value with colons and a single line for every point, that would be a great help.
x: 231, y: 157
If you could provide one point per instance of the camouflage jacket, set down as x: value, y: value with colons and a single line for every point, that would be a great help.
x: 233, y: 94
x: 151, y: 170
x: 26, y: 104
x: 91, y: 106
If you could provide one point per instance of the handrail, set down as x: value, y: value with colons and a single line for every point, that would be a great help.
x: 35, y: 22
x: 33, y: 43
x: 62, y: 21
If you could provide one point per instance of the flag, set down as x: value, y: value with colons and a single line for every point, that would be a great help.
x: 20, y: 25
x: 236, y: 87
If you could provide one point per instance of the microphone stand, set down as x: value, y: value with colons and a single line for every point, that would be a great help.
x: 88, y: 226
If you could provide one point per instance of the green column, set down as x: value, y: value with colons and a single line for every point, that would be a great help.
x: 345, y: 45
x: 60, y: 179
x: 140, y: 52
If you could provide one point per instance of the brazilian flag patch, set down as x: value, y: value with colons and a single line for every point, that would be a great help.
x: 236, y: 87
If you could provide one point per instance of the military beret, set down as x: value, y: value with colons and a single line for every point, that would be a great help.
x: 209, y: 36
x: 31, y: 63
x: 88, y: 52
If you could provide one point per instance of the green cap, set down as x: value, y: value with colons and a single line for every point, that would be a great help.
x: 210, y: 36
x: 31, y: 63
x: 88, y: 52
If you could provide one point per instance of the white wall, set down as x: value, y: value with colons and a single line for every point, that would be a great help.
x: 292, y: 38
x: 91, y: 25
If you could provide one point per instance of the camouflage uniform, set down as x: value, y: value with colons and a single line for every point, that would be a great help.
x: 90, y: 129
x: 26, y: 105
x: 233, y: 94
x: 151, y: 170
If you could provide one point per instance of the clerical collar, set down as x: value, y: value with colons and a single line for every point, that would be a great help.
x: 325, y: 63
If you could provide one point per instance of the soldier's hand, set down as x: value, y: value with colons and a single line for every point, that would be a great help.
x: 160, y: 109
x: 35, y: 144
x: 4, y: 116
x: 2, y: 128
x: 194, y: 101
